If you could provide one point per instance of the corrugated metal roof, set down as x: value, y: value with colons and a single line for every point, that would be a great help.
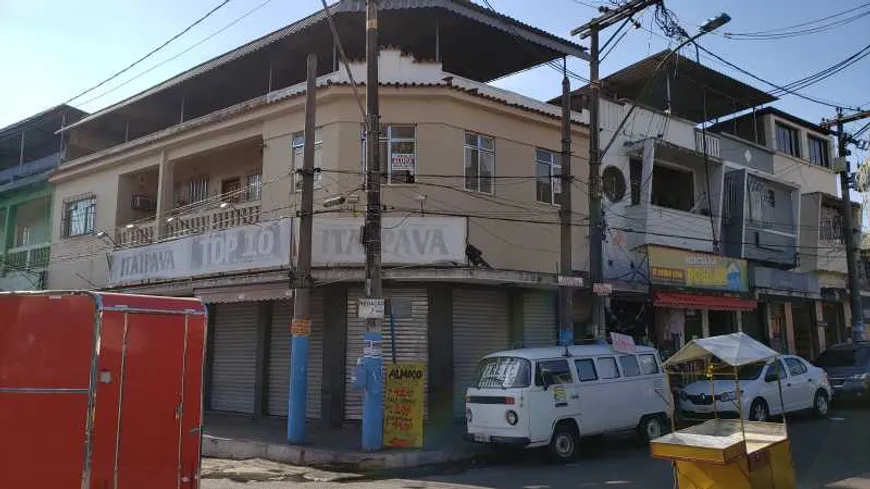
x: 33, y: 120
x: 460, y: 7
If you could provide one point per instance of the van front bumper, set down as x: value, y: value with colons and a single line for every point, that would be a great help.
x: 510, y: 441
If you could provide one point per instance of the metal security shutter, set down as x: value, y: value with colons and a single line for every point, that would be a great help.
x: 480, y: 326
x: 539, y: 318
x: 279, y: 357
x: 235, y: 357
x: 412, y: 338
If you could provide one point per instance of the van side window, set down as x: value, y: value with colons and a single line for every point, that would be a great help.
x: 607, y: 368
x: 557, y: 368
x: 629, y: 364
x: 586, y: 369
x: 648, y: 364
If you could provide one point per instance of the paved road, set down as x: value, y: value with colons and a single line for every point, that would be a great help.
x: 829, y: 453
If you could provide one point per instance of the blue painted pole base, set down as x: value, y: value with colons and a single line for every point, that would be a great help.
x: 373, y: 394
x: 296, y: 407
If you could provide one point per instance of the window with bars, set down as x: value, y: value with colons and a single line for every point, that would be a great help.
x: 197, y: 190
x: 253, y: 187
x: 24, y: 235
x: 397, y: 153
x: 479, y: 162
x: 548, y: 172
x: 788, y: 140
x: 297, y: 145
x: 818, y: 151
x: 78, y: 216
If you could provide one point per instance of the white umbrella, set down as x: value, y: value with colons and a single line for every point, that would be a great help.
x: 735, y: 349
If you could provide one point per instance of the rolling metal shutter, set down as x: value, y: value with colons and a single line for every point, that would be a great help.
x: 481, y: 325
x: 235, y: 357
x: 539, y: 318
x: 412, y: 339
x: 279, y: 357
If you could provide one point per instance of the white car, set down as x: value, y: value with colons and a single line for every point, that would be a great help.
x: 804, y: 386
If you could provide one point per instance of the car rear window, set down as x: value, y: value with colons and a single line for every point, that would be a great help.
x: 842, y: 357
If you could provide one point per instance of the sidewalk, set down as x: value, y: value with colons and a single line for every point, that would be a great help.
x: 245, y: 438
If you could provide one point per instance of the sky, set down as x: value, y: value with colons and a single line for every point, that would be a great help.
x: 53, y: 49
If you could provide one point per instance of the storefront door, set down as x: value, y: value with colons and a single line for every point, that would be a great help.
x: 722, y: 322
x: 832, y: 313
x: 804, y: 321
x: 778, y: 338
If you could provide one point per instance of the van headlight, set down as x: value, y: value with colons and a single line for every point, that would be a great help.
x: 511, y: 417
x: 468, y: 416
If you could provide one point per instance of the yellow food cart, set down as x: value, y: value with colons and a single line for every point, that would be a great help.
x: 727, y: 453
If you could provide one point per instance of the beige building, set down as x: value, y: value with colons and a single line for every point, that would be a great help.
x: 189, y: 189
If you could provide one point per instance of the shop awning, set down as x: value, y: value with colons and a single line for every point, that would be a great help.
x: 247, y: 293
x: 678, y: 300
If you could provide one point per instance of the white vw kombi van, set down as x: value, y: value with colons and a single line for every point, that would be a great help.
x: 552, y: 396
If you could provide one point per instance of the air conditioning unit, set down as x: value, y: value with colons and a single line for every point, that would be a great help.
x: 144, y: 203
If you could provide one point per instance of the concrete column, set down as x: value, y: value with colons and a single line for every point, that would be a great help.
x: 516, y: 321
x: 264, y: 330
x: 738, y: 322
x: 8, y: 230
x: 705, y: 323
x: 649, y: 155
x: 440, y: 354
x: 789, y: 329
x: 208, y: 374
x: 165, y: 191
x: 334, y: 354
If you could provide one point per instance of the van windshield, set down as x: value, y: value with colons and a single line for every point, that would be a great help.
x: 502, y: 373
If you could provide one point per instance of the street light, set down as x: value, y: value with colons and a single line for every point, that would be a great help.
x: 105, y: 236
x: 715, y: 22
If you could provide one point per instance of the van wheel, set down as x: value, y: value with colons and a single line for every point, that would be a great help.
x: 820, y: 404
x: 651, y: 427
x: 563, y: 445
x: 759, y: 411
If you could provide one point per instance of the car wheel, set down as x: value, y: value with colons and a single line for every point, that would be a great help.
x: 651, y: 427
x: 759, y: 411
x: 563, y: 445
x: 820, y: 404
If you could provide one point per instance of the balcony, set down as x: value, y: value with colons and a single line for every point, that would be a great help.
x: 30, y: 258
x: 223, y: 217
x: 712, y: 148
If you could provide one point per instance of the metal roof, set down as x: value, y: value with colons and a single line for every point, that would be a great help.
x: 686, y: 88
x: 346, y: 12
x: 58, y: 111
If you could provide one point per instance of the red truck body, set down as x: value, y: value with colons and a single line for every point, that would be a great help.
x: 100, y: 391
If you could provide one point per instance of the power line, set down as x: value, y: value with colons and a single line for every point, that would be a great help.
x: 153, y: 51
x: 784, y: 32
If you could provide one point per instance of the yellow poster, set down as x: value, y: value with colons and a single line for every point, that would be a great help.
x: 403, y: 404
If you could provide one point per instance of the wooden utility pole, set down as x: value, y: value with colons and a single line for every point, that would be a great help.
x: 591, y: 30
x: 849, y: 229
x: 301, y: 326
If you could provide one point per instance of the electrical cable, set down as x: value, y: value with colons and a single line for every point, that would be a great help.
x: 152, y: 52
x: 788, y: 32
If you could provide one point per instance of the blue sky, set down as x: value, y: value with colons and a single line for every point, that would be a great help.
x: 54, y: 50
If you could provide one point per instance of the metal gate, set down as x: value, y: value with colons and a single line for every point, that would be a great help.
x: 539, y: 318
x: 235, y: 357
x: 279, y: 357
x: 412, y: 337
x: 481, y: 325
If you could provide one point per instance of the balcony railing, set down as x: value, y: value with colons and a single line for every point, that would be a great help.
x: 712, y: 144
x: 28, y: 258
x: 179, y: 226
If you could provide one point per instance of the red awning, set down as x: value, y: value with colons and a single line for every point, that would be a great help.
x: 677, y: 300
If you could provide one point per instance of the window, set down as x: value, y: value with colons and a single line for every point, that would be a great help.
x: 635, y: 172
x: 479, y: 162
x: 787, y: 140
x: 774, y: 372
x: 78, y: 216
x: 297, y: 145
x: 613, y: 184
x: 254, y: 187
x: 607, y: 368
x: 398, y: 153
x: 673, y: 188
x: 23, y: 235
x: 795, y: 366
x: 586, y: 370
x: 231, y: 190
x: 197, y: 190
x: 648, y: 364
x: 630, y: 368
x: 818, y: 151
x: 557, y: 369
x: 548, y: 174
x: 503, y: 372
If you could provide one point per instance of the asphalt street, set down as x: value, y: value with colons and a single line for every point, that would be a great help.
x: 827, y: 453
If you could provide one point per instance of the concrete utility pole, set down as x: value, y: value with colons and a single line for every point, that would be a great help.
x: 849, y: 230
x: 566, y: 293
x: 373, y: 407
x: 596, y: 232
x: 301, y: 325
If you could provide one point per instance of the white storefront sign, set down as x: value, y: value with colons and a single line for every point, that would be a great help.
x: 258, y: 246
x: 404, y: 241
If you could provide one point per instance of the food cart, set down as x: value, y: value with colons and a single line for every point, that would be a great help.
x: 727, y: 453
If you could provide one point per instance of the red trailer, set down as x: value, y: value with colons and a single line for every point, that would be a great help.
x: 100, y: 391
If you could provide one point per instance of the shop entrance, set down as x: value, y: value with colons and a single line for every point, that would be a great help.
x: 804, y: 319
x: 778, y: 339
x: 722, y: 322
x: 832, y: 314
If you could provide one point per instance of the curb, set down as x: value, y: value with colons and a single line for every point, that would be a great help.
x: 306, y: 456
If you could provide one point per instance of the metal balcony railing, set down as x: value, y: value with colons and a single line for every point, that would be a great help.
x: 232, y: 215
x: 30, y: 258
x: 712, y: 144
